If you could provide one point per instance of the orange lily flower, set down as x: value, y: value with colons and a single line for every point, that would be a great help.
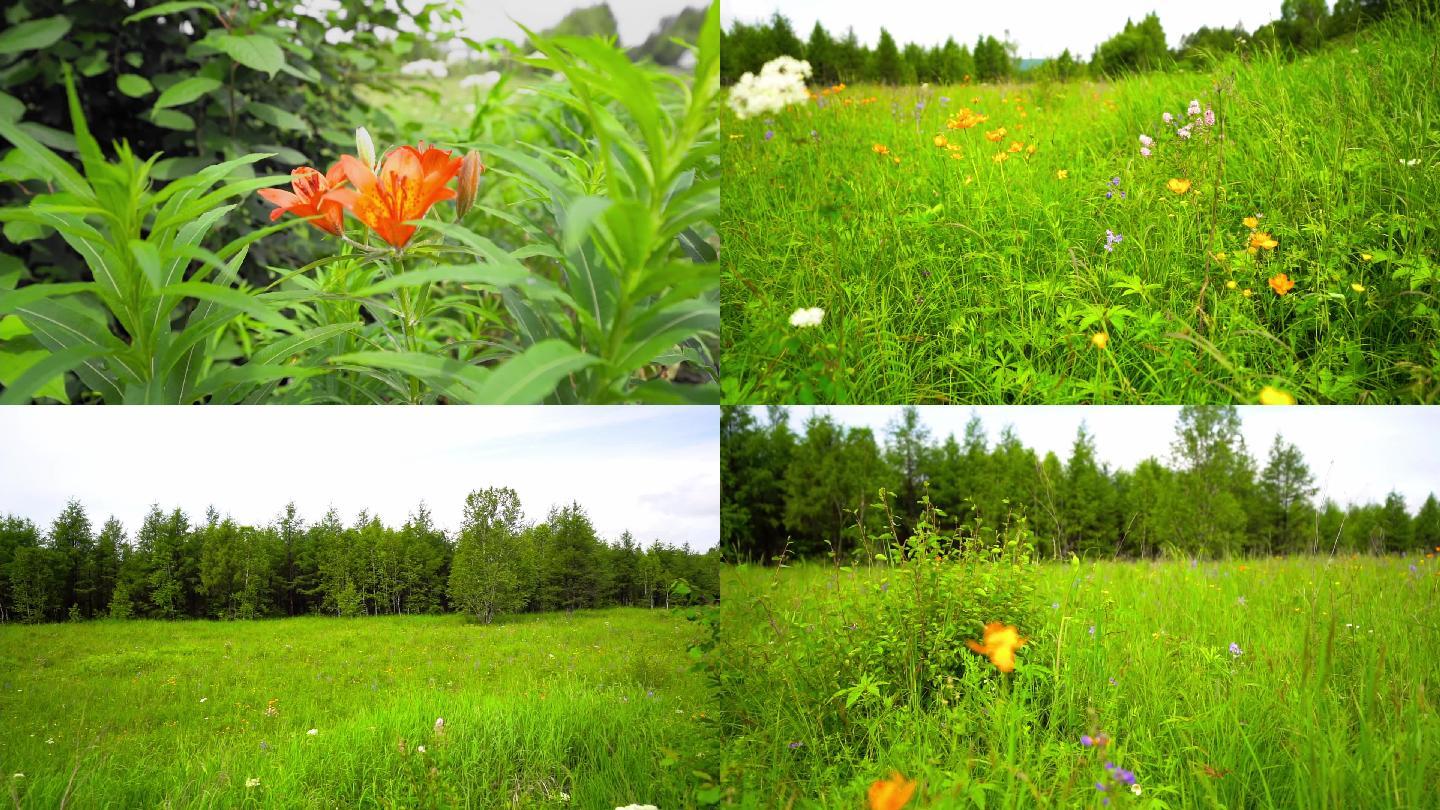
x: 410, y: 182
x: 308, y: 198
x: 1281, y: 284
x: 891, y: 794
x: 1001, y: 641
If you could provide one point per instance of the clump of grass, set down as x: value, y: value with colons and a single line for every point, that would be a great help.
x: 1297, y: 682
x: 951, y: 267
x: 544, y: 711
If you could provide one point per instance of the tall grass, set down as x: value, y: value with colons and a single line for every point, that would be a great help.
x: 1329, y: 703
x: 968, y: 280
x: 598, y: 706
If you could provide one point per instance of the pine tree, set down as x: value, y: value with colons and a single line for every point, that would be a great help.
x: 887, y: 68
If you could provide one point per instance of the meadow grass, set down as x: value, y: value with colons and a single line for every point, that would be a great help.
x: 602, y: 706
x: 946, y: 276
x: 1329, y: 703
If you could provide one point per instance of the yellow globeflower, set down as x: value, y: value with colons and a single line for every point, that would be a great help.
x: 1274, y: 396
x: 1178, y: 185
x: 1100, y: 339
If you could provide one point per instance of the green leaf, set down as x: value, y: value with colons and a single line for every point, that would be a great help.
x: 531, y: 376
x: 487, y: 274
x: 33, y: 35
x: 36, y: 380
x: 134, y: 86
x: 172, y: 119
x: 232, y: 298
x: 170, y: 8
x: 255, y: 51
x: 11, y: 108
x: 451, y: 377
x: 275, y: 116
x: 185, y: 91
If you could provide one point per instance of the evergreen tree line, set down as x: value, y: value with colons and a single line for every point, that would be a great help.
x: 495, y: 563
x: 1304, y: 25
x: 813, y: 492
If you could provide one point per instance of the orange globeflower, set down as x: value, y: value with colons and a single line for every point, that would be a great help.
x: 1178, y: 186
x: 410, y: 182
x: 1001, y: 641
x: 1261, y: 239
x: 880, y: 149
x: 1250, y: 222
x: 309, y: 198
x: 891, y: 794
x: 1281, y: 284
x: 995, y: 135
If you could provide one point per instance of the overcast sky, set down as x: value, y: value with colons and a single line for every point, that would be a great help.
x: 1357, y: 453
x: 652, y: 470
x: 1042, y: 28
x: 637, y: 19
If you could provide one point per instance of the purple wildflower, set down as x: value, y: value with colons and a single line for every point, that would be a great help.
x: 885, y: 586
x: 1122, y: 195
x: 1086, y: 740
x: 1183, y: 132
x: 1167, y: 118
x: 769, y: 133
x: 795, y: 745
x: 1144, y: 151
x: 1146, y: 140
x: 1235, y: 650
x: 1109, y: 194
x: 1112, y: 681
x: 1194, y: 107
x: 1412, y: 568
x: 1115, y: 181
x: 1092, y: 630
x: 1128, y: 777
x: 1100, y: 786
x: 1209, y: 117
x: 1112, y: 239
x: 944, y: 99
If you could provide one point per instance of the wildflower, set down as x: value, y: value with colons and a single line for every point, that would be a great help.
x: 1061, y: 174
x: 365, y: 147
x: 440, y: 722
x: 891, y: 794
x: 880, y: 149
x: 795, y: 745
x: 1178, y: 185
x: 312, y: 732
x: 1092, y: 631
x: 805, y: 318
x: 1281, y: 284
x: 1001, y: 641
x: 1031, y: 149
x: 1365, y: 257
x: 1001, y: 157
x: 1357, y: 287
x: 420, y: 748
x: 423, y: 67
x: 1135, y: 789
x: 781, y: 83
x: 1183, y: 132
x: 769, y: 133
x: 995, y: 135
x: 1146, y: 140
x: 252, y: 782
x: 467, y: 185
x: 1015, y: 146
x: 1235, y: 650
x: 1100, y: 341
x: 18, y: 776
x: 941, y: 142
x: 410, y: 182
x: 1144, y: 151
x: 1167, y: 118
x: 1240, y: 600
x: 1230, y: 285
x: 1086, y: 740
x: 1251, y: 222
x: 564, y: 797
x: 202, y: 700
x: 1100, y: 786
x: 1112, y: 239
x: 1410, y: 162
x: 309, y: 198
x: 1262, y: 239
x: 1209, y: 117
x: 1194, y: 107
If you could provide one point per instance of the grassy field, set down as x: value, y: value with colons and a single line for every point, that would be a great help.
x: 1327, y: 698
x: 967, y: 260
x: 592, y: 710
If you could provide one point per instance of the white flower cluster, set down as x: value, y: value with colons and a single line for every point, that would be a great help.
x: 781, y: 82
x: 803, y: 318
x: 425, y: 67
x: 486, y: 79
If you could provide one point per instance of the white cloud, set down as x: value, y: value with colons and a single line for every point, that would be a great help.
x: 651, y: 470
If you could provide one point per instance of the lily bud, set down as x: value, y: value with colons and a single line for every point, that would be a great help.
x: 468, y: 185
x: 365, y: 147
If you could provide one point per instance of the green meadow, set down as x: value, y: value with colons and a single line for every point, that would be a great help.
x: 594, y: 709
x: 973, y: 270
x: 839, y: 677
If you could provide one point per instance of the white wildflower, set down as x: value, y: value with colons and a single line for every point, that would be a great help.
x: 1410, y: 162
x: 19, y: 776
x: 804, y: 318
x: 312, y: 732
x: 439, y: 725
x: 1135, y: 789
x: 202, y: 700
x: 486, y: 79
x: 564, y: 797
x: 420, y: 748
x: 252, y: 782
x: 781, y: 83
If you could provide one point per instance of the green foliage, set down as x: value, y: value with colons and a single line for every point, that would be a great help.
x: 808, y: 494
x: 1138, y: 652
x: 594, y: 709
x: 485, y: 575
x: 984, y: 278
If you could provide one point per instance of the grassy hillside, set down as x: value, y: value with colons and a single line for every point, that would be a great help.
x: 594, y: 709
x: 956, y: 268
